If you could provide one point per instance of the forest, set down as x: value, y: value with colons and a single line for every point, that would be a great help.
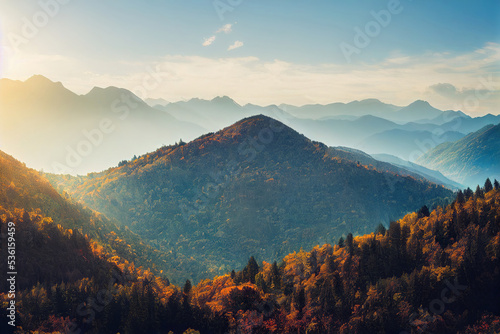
x: 210, y: 203
x: 432, y: 271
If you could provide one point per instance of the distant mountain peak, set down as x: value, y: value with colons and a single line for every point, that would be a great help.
x: 370, y: 101
x: 224, y: 100
x: 111, y: 93
x: 38, y: 78
x: 110, y: 89
x: 420, y: 104
x: 42, y: 81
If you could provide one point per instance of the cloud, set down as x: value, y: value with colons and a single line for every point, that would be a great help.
x: 485, y: 95
x: 227, y: 28
x: 235, y: 45
x: 444, y: 89
x: 209, y: 41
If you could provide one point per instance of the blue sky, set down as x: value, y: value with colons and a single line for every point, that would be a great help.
x: 282, y: 51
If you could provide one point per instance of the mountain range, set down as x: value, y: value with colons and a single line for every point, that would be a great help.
x: 377, y: 282
x: 469, y: 160
x: 196, y: 210
x: 91, y: 132
x: 257, y: 187
x: 51, y: 128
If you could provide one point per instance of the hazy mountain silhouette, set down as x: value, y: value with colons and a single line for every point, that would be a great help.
x: 407, y: 145
x: 389, y: 163
x: 469, y: 160
x: 49, y: 127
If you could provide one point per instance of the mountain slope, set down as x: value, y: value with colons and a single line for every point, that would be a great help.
x: 407, y: 145
x: 394, y: 165
x: 51, y: 128
x: 469, y: 160
x: 429, y: 174
x: 24, y: 189
x: 355, y: 108
x: 256, y: 187
x: 436, y: 272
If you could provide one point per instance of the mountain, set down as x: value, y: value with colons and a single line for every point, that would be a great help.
x: 355, y: 108
x: 434, y: 272
x: 407, y: 145
x: 469, y: 160
x: 427, y: 173
x: 256, y: 187
x: 71, y: 264
x: 51, y: 128
x: 468, y: 125
x: 156, y: 102
x: 394, y: 280
x: 211, y: 115
x: 338, y: 132
x: 443, y: 117
x: 25, y: 189
x: 416, y: 111
x: 392, y: 164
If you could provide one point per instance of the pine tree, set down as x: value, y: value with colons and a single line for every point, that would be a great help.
x: 468, y: 193
x: 187, y: 287
x: 460, y: 197
x: 488, y: 186
x: 380, y: 229
x: 275, y: 276
x: 497, y: 185
x: 251, y: 270
x: 479, y: 192
x: 300, y: 301
x: 260, y: 282
x: 349, y: 241
x: 424, y: 211
x: 341, y: 242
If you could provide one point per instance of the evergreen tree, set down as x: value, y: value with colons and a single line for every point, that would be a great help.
x: 488, y: 186
x: 349, y: 241
x: 479, y: 192
x: 497, y: 185
x: 260, y: 282
x: 380, y: 229
x: 251, y: 270
x: 300, y: 301
x: 468, y: 193
x: 187, y: 287
x: 460, y: 197
x: 424, y: 211
x: 275, y: 276
x: 341, y: 242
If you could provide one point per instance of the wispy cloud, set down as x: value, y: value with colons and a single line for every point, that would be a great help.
x: 227, y: 28
x: 235, y: 45
x: 208, y: 41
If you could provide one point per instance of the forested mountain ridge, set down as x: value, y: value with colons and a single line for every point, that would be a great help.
x: 435, y: 272
x: 69, y: 283
x: 470, y: 159
x: 25, y: 190
x: 256, y: 187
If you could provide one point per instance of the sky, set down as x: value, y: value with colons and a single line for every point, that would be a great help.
x: 262, y: 52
